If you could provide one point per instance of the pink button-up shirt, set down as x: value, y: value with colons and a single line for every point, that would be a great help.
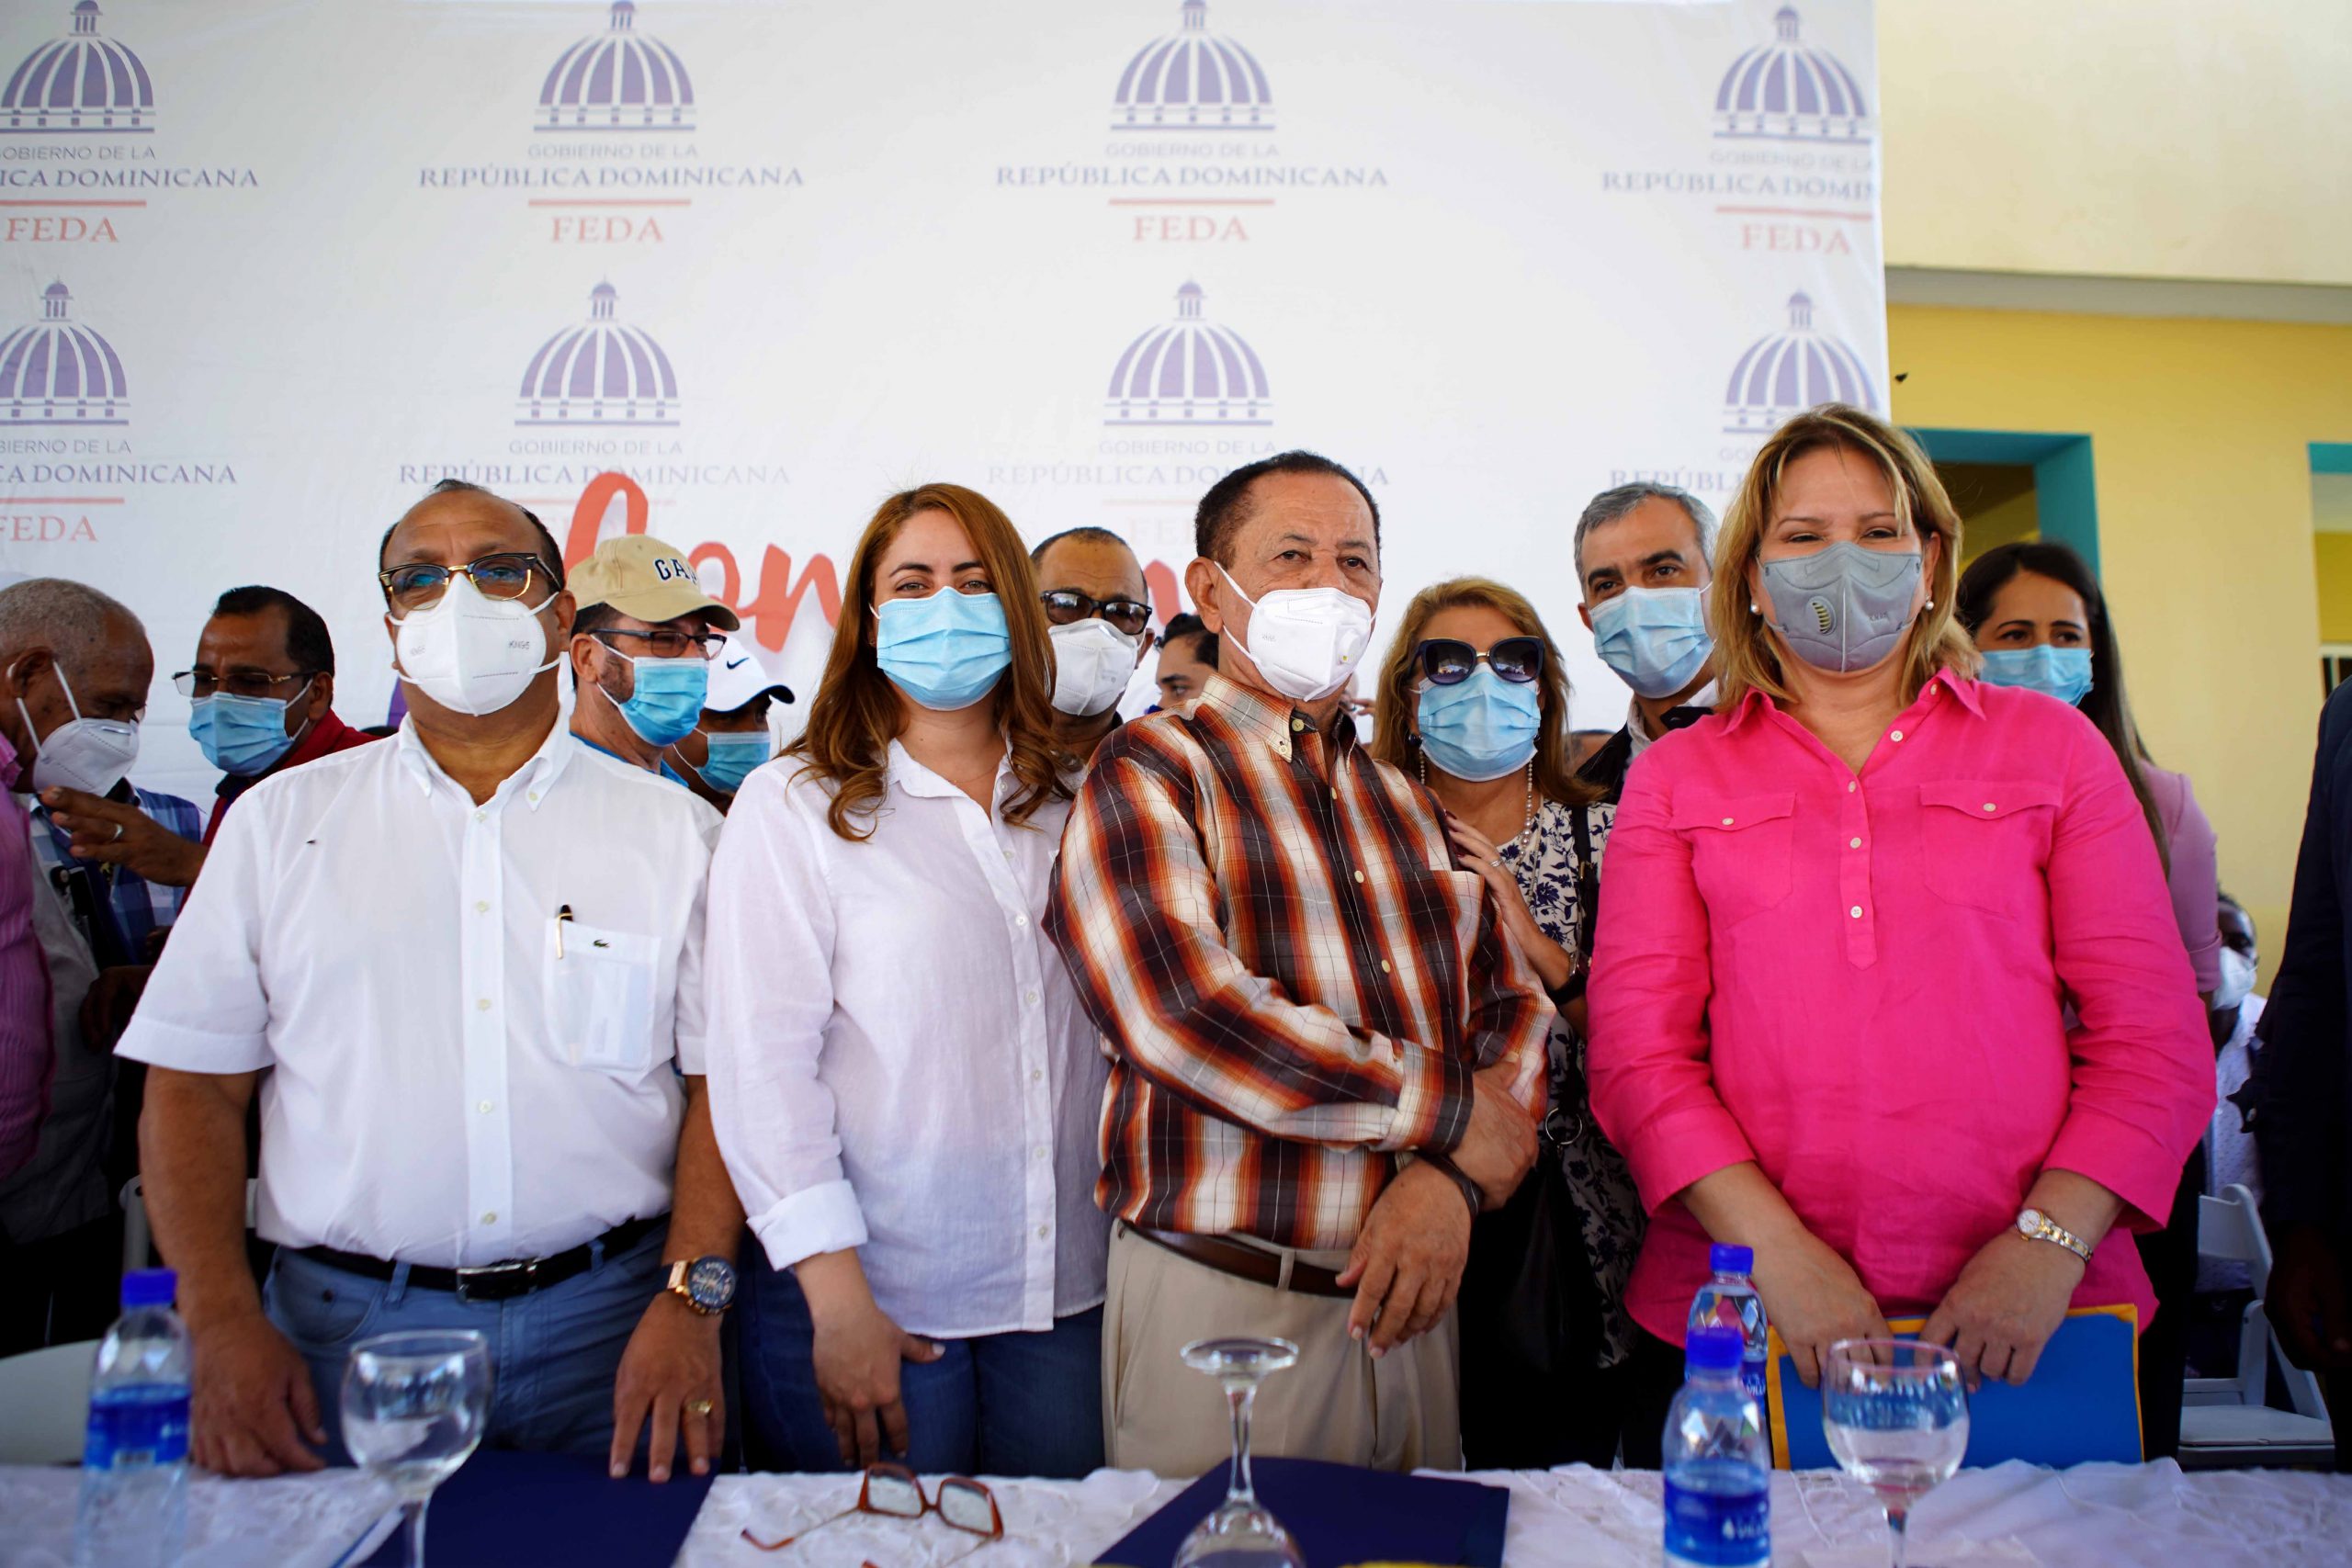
x: 1859, y: 982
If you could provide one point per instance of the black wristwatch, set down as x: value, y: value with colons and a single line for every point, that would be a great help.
x: 707, y: 1284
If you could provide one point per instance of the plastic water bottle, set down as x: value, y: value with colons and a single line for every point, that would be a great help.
x: 1729, y: 1300
x: 1718, y: 1475
x: 134, y: 1461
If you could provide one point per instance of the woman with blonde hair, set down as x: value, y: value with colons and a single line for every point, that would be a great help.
x: 1473, y: 702
x: 904, y: 1087
x: 1847, y: 913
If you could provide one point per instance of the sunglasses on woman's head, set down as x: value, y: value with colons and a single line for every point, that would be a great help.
x: 1446, y: 661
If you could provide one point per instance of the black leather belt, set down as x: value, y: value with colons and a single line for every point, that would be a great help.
x: 1254, y: 1264
x: 495, y: 1282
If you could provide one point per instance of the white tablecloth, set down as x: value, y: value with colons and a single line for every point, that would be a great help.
x: 2096, y: 1516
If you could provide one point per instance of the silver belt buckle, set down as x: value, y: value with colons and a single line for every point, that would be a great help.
x: 498, y: 1282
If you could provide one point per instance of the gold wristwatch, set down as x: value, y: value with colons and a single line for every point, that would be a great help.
x: 2035, y: 1225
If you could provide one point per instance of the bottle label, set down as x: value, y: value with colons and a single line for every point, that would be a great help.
x: 1717, y: 1529
x: 147, y: 1429
x: 1751, y: 1377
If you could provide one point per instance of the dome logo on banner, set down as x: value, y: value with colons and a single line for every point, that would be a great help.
x: 617, y: 80
x: 1193, y: 80
x: 1189, y: 372
x: 80, y: 83
x: 1785, y: 373
x: 1789, y: 91
x: 602, y: 372
x: 61, y: 372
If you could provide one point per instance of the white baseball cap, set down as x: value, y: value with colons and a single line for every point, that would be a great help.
x: 738, y: 678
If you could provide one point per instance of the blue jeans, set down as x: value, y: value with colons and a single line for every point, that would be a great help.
x: 554, y: 1353
x: 998, y: 1405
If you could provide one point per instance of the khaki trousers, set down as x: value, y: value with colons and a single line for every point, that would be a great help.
x: 1399, y: 1413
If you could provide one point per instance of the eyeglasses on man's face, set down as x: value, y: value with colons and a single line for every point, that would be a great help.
x: 1067, y: 607
x: 665, y: 642
x: 508, y: 575
x: 201, y: 682
x: 1445, y: 661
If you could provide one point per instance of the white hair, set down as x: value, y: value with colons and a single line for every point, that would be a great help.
x: 70, y: 619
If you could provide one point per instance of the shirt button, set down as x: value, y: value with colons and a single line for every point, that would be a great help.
x: 1030, y: 997
x: 483, y: 1108
x: 1008, y: 854
x: 1896, y: 736
x: 1988, y: 806
x: 489, y: 1217
x: 481, y: 816
x: 535, y: 796
x: 481, y: 1004
x: 1853, y: 843
x: 1298, y: 724
x: 1384, y: 967
x: 1856, y: 911
x: 1042, y: 1151
x: 1021, y: 920
x: 1726, y: 821
x: 482, y: 906
x: 1358, y: 876
x: 1036, y: 1075
x: 1851, y: 786
x: 1045, y: 1231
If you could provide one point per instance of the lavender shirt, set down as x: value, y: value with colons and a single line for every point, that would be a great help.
x: 25, y: 1052
x: 2195, y: 879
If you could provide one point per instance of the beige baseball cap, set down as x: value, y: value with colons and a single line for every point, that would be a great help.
x: 641, y: 576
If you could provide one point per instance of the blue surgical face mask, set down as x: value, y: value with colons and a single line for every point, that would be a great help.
x: 732, y: 758
x: 2061, y: 672
x: 1846, y: 607
x: 1479, y: 728
x: 665, y: 703
x: 945, y: 652
x: 245, y: 736
x: 1655, y: 638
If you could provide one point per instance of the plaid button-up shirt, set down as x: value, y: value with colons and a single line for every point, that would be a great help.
x: 125, y: 907
x: 1293, y: 981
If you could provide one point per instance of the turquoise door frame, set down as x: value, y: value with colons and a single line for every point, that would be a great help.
x: 2065, y: 495
x: 2331, y: 456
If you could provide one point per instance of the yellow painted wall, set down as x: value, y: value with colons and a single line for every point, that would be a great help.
x: 2333, y: 555
x: 2199, y: 436
x: 2176, y: 139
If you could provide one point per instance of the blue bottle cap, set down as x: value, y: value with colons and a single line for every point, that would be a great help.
x: 1726, y: 1260
x: 1714, y: 1350
x: 150, y: 1288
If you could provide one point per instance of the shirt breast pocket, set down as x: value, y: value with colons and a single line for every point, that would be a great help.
x: 600, y: 999
x: 1739, y: 850
x: 1986, y: 843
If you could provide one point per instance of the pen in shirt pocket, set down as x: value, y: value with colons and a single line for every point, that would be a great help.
x: 563, y: 918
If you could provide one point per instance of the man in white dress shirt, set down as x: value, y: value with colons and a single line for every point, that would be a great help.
x: 469, y: 962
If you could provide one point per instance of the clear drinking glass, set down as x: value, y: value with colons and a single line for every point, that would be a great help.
x: 413, y: 1408
x: 1896, y: 1412
x: 1240, y: 1533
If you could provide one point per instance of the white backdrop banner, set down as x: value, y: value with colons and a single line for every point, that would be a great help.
x: 731, y: 273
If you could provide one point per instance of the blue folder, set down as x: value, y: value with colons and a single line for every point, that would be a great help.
x: 2082, y: 1403
x: 503, y: 1508
x: 1340, y: 1514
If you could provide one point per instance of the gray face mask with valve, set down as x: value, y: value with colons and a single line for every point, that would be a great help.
x: 1843, y: 608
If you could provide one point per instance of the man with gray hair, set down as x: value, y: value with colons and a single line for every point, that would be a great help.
x: 74, y: 668
x: 1642, y: 554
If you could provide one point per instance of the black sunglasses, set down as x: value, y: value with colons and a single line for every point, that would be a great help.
x: 1446, y: 661
x: 1067, y: 607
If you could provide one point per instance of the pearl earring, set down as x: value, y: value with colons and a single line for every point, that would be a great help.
x: 1752, y: 609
